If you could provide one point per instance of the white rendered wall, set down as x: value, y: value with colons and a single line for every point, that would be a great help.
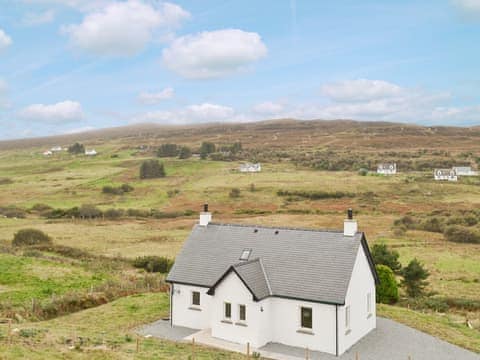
x: 285, y: 325
x: 184, y: 314
x: 233, y: 291
x: 361, y: 322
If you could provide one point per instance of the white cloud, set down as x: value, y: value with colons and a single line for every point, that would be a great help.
x: 5, y: 40
x: 124, y: 28
x: 213, y: 54
x: 148, y: 98
x: 62, y: 112
x: 268, y: 108
x: 469, y: 7
x: 361, y: 90
x: 200, y: 113
x: 32, y: 19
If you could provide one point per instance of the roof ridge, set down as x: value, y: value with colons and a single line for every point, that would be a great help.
x: 266, y: 278
x: 278, y: 227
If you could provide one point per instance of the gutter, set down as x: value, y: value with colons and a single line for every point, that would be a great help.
x: 336, y: 330
x: 171, y: 304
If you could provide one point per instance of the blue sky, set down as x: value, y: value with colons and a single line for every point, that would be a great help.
x: 70, y: 65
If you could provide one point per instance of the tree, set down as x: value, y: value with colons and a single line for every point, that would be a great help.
x: 414, y: 276
x: 382, y: 255
x: 185, y: 152
x: 88, y: 211
x: 76, y: 148
x: 151, y: 169
x: 167, y: 150
x: 206, y: 148
x: 387, y: 288
x: 26, y: 237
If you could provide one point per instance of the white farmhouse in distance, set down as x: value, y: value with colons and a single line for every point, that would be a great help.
x: 245, y: 284
x: 56, y: 149
x: 249, y: 167
x: 387, y: 168
x: 91, y: 152
x: 445, y: 175
x: 465, y: 171
x: 47, y: 153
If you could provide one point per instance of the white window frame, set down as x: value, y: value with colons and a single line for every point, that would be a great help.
x: 240, y: 312
x: 225, y: 311
x: 199, y: 298
x: 347, y: 318
x: 301, y: 318
x: 369, y: 304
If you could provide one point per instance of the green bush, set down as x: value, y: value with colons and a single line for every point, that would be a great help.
x: 363, y: 172
x: 206, y: 148
x: 234, y: 193
x: 167, y: 150
x: 185, y: 152
x: 12, y: 212
x: 414, y: 278
x: 382, y: 255
x: 159, y: 264
x: 151, y: 169
x: 28, y: 237
x: 461, y: 234
x: 315, y: 195
x: 120, y: 190
x: 76, y: 148
x: 88, y: 211
x: 113, y: 213
x: 387, y: 288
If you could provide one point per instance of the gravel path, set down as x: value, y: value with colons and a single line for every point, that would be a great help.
x: 389, y: 341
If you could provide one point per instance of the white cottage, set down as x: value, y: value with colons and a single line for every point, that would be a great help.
x: 248, y: 167
x: 387, y: 168
x: 464, y: 171
x: 256, y: 284
x: 445, y: 175
x: 91, y: 152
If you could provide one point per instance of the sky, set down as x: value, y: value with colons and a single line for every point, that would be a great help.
x: 73, y: 65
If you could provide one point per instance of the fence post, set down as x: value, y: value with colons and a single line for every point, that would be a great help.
x: 248, y: 350
x: 306, y: 353
x: 356, y: 356
x: 193, y: 348
x: 9, y: 331
x: 138, y: 343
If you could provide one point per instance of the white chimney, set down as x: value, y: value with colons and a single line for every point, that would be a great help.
x: 205, y: 216
x: 350, y: 225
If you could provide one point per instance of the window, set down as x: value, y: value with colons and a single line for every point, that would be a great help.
x: 245, y: 254
x: 306, y: 317
x: 242, y: 312
x: 196, y: 298
x: 347, y: 317
x: 228, y: 311
x: 369, y: 304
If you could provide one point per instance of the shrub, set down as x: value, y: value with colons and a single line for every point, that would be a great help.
x: 461, y: 234
x: 124, y: 188
x: 185, y: 152
x: 113, y: 213
x: 382, y: 255
x: 5, y: 181
x: 206, y: 148
x: 87, y: 211
x: 234, y: 193
x: 172, y: 193
x: 387, y: 288
x: 153, y: 263
x: 167, y: 150
x: 28, y: 237
x: 151, y: 169
x: 314, y: 195
x: 363, y: 172
x: 12, y: 212
x: 414, y: 276
x: 76, y: 148
x: 41, y: 208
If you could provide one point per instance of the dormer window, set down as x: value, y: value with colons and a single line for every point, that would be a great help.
x: 245, y: 254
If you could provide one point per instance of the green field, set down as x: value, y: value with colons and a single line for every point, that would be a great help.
x: 64, y: 181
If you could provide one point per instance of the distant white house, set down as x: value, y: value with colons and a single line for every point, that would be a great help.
x: 465, y: 171
x: 445, y: 175
x: 387, y: 168
x: 249, y: 167
x: 47, y: 153
x: 56, y: 149
x: 91, y: 152
x: 246, y: 285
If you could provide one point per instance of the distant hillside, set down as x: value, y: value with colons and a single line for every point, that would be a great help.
x: 276, y: 134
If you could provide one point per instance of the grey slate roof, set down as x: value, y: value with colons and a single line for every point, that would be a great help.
x: 302, y: 264
x: 253, y: 275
